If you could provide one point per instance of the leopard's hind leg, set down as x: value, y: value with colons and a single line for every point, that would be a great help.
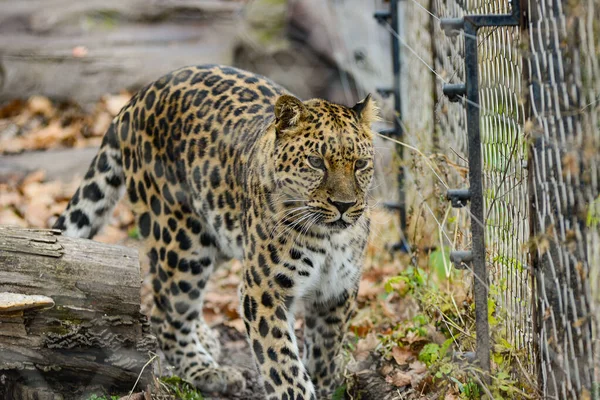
x: 182, y: 258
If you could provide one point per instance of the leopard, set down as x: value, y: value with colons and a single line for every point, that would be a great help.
x: 218, y: 163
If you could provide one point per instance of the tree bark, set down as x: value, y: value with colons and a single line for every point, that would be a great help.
x: 70, y: 321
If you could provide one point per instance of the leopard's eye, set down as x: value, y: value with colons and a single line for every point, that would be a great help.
x: 316, y: 162
x: 360, y: 164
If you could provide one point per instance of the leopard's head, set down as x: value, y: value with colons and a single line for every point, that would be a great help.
x: 323, y: 160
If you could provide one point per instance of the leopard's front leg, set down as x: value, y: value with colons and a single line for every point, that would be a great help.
x: 267, y: 298
x: 325, y: 327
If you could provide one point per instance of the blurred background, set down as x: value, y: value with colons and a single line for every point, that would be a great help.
x: 83, y: 50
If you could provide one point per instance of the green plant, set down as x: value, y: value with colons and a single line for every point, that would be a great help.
x: 180, y: 389
x: 430, y: 353
x: 469, y: 390
x: 133, y: 233
x: 340, y: 393
x: 413, y: 277
x: 439, y: 262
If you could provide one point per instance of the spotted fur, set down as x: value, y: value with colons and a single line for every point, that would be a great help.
x: 219, y: 163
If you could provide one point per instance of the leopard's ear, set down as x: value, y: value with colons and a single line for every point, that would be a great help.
x: 366, y: 110
x: 289, y: 111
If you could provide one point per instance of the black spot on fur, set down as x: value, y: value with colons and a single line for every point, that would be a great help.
x: 156, y: 230
x: 124, y: 126
x: 222, y: 87
x: 155, y: 205
x: 260, y: 232
x: 267, y: 300
x: 92, y: 192
x: 274, y: 254
x: 172, y: 259
x: 114, y: 181
x: 275, y: 378
x: 207, y: 240
x: 182, y: 76
x: 215, y: 177
x: 265, y: 91
x: 102, y: 163
x: 263, y: 327
x: 295, y: 254
x: 185, y: 286
x: 212, y: 80
x: 276, y: 332
x: 196, y: 267
x: 258, y: 351
x: 284, y: 281
x: 255, y: 276
x: 149, y: 100
x: 144, y: 224
x: 184, y: 240
x: 262, y: 263
x: 280, y: 313
x: 163, y: 82
x: 79, y: 218
x: 272, y: 354
x: 182, y: 307
x: 60, y: 223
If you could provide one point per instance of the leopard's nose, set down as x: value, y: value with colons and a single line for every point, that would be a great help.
x: 342, y: 206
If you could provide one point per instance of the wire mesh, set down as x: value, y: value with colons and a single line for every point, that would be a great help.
x: 563, y: 68
x: 539, y: 105
x: 504, y: 151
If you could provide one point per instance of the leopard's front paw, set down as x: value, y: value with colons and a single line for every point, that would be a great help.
x: 218, y: 379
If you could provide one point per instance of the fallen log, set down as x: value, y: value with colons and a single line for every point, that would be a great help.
x: 70, y: 321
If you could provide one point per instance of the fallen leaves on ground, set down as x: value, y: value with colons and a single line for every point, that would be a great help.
x: 39, y: 124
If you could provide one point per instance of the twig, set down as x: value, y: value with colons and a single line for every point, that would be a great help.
x: 140, y: 374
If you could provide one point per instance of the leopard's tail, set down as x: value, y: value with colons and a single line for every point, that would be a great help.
x: 102, y: 187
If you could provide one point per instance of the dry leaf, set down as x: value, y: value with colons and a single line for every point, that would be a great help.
x: 237, y: 324
x: 9, y: 199
x: 368, y: 343
x: 417, y: 367
x: 368, y: 290
x: 9, y: 217
x: 40, y: 105
x: 413, y: 337
x: 402, y: 355
x: 399, y: 379
x: 386, y: 369
x: 451, y: 396
x: 37, y: 213
x: 36, y: 176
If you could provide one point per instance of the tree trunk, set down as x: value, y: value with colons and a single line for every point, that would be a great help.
x: 70, y: 321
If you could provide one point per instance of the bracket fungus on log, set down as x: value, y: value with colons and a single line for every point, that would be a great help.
x: 70, y: 320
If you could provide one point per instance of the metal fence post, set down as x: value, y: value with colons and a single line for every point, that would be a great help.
x: 469, y: 92
x: 397, y: 131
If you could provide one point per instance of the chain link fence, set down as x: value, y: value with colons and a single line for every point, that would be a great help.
x: 540, y: 132
x: 565, y: 162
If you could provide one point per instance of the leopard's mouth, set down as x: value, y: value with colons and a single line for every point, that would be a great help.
x: 338, y: 224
